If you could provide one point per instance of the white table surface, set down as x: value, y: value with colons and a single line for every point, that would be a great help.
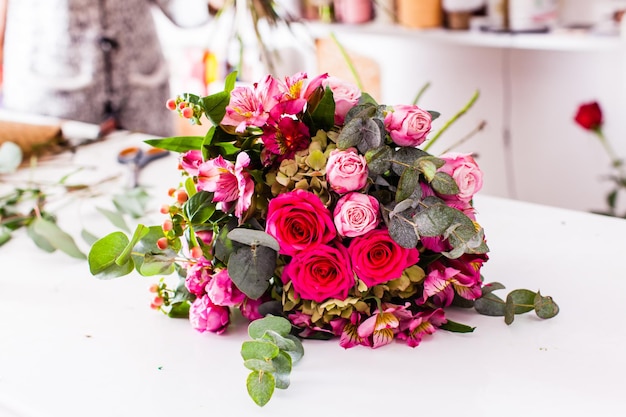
x: 74, y: 346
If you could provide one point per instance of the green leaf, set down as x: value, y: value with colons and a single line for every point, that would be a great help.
x: 200, y: 207
x: 282, y: 365
x: 88, y: 237
x: 490, y: 305
x: 379, y: 159
x: 409, y: 181
x: 258, y: 365
x: 10, y: 157
x: 253, y: 238
x: 5, y: 235
x: 611, y: 199
x: 428, y: 166
x: 56, y: 237
x: 260, y: 387
x: 509, y: 310
x: 132, y: 202
x: 360, y: 131
x: 257, y: 349
x: 434, y: 220
x: 402, y: 231
x: 41, y: 241
x: 455, y: 327
x: 323, y: 116
x: 215, y: 106
x: 444, y: 184
x: 179, y: 310
x: 283, y: 343
x: 115, y: 217
x: 298, y: 352
x: 125, y: 255
x: 103, y: 254
x: 406, y: 157
x: 490, y: 287
x: 178, y: 143
x: 434, y: 114
x: 524, y: 300
x: 545, y: 307
x: 279, y: 325
x: 157, y: 264
x: 251, y: 268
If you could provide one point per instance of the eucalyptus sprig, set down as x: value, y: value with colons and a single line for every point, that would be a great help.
x: 270, y: 356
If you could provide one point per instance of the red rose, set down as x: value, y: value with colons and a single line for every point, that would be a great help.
x: 589, y: 116
x: 377, y: 258
x: 298, y: 220
x: 320, y: 273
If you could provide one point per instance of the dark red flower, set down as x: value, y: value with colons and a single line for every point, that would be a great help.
x: 589, y: 116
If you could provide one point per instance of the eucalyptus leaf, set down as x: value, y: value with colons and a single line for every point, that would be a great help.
x: 179, y: 310
x: 277, y: 324
x: 132, y: 202
x: 509, y: 310
x: 251, y: 269
x: 59, y: 239
x: 253, y: 238
x: 434, y: 220
x: 257, y: 349
x: 545, y: 307
x: 403, y: 232
x: 409, y: 181
x: 379, y: 159
x: 298, y: 352
x: 444, y: 184
x: 282, y: 342
x: 140, y: 232
x: 259, y: 365
x: 104, y: 252
x: 260, y: 387
x: 359, y: 130
x: 524, y: 300
x: 157, y: 264
x: 88, y: 237
x: 11, y: 156
x: 282, y: 370
x: 490, y: 305
x: 406, y: 157
x: 115, y: 217
x: 40, y: 241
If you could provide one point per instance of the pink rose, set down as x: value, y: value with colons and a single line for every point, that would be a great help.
x: 205, y: 316
x: 250, y: 308
x: 466, y: 173
x: 356, y: 214
x: 298, y: 220
x: 320, y: 273
x: 345, y: 94
x: 198, y: 276
x: 346, y: 171
x: 222, y: 291
x: 377, y: 258
x: 190, y: 161
x: 408, y: 125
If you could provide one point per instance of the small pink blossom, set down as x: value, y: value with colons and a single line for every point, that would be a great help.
x: 423, y: 323
x: 408, y: 125
x: 205, y: 316
x: 284, y: 138
x: 346, y: 95
x: 298, y: 86
x: 356, y: 214
x: 382, y: 326
x: 250, y: 308
x: 190, y: 161
x: 460, y: 276
x: 346, y: 170
x: 222, y: 291
x: 198, y: 276
x: 229, y: 182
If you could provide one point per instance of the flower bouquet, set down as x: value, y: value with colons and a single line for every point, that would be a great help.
x: 309, y: 208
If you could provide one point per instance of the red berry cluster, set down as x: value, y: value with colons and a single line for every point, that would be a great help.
x: 184, y: 108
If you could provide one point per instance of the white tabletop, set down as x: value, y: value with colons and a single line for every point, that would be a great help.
x: 74, y: 346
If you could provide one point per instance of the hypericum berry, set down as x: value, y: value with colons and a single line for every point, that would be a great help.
x: 187, y: 112
x: 196, y: 252
x: 165, y: 209
x: 168, y: 225
x: 182, y: 196
x: 171, y: 104
x: 171, y: 192
x: 162, y: 243
x: 182, y: 105
x: 154, y: 288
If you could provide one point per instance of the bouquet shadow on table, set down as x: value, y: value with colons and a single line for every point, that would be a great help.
x: 311, y: 208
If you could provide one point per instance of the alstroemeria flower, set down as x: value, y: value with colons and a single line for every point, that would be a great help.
x: 250, y: 106
x: 229, y: 182
x: 349, y: 334
x: 460, y: 276
x: 423, y: 323
x: 382, y: 326
x: 285, y: 135
x: 190, y: 161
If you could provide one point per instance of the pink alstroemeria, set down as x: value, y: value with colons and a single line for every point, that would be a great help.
x: 382, y: 326
x: 190, y: 161
x: 423, y: 323
x: 229, y: 182
x: 461, y: 276
x: 299, y: 87
x: 283, y: 139
x: 349, y: 334
x: 250, y: 106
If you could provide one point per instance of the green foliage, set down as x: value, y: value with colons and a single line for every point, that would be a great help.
x: 517, y: 302
x: 270, y: 355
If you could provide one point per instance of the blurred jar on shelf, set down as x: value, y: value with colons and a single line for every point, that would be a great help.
x: 459, y: 12
x: 353, y: 11
x: 421, y: 14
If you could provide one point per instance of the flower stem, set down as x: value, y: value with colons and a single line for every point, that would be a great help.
x: 453, y: 119
x: 345, y: 56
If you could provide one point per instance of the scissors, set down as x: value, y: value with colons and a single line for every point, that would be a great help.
x: 137, y: 159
